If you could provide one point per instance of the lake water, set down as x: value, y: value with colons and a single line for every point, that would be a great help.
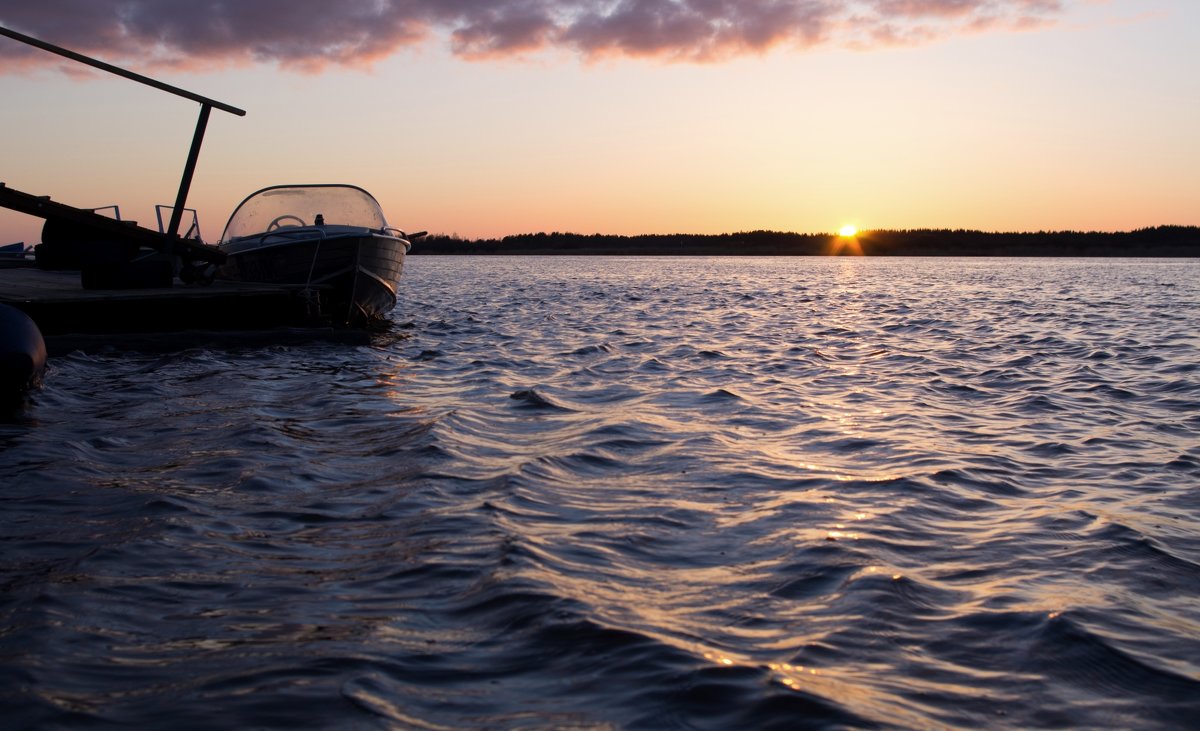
x: 658, y: 493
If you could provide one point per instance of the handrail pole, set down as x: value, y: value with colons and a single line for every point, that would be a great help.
x: 189, y: 169
x: 206, y: 107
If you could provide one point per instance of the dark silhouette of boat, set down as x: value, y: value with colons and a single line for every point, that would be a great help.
x: 328, y: 243
x: 331, y: 239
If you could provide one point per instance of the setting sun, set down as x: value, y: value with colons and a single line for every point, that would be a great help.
x: 848, y: 231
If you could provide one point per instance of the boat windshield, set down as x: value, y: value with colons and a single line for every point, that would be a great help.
x: 285, y: 206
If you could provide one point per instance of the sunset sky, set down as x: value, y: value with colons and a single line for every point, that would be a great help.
x: 493, y: 117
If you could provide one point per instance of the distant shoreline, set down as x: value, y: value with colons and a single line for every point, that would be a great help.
x: 1160, y: 241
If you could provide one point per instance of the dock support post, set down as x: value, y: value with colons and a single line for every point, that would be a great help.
x: 189, y: 169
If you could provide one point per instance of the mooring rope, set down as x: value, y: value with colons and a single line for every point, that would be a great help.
x: 312, y: 299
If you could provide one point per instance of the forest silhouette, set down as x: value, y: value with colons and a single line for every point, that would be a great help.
x: 1160, y: 241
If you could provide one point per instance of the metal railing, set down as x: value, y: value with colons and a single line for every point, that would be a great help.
x: 206, y: 107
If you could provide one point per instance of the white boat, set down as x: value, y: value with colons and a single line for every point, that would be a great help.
x: 331, y: 239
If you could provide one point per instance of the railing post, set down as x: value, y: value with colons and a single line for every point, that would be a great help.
x: 189, y: 169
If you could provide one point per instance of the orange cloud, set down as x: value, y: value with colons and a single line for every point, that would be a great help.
x: 312, y: 34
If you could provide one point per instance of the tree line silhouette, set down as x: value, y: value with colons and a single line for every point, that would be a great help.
x: 1159, y: 241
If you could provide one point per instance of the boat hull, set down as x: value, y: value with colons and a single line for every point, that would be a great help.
x: 351, y: 278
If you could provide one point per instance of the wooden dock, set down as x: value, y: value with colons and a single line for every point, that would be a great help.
x: 60, y: 306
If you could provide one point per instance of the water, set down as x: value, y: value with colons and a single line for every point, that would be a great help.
x: 630, y: 493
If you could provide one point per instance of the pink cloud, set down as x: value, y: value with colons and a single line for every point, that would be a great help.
x: 311, y: 34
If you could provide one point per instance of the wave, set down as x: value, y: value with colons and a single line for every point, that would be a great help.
x: 682, y: 493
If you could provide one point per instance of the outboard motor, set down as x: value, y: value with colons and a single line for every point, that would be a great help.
x: 22, y: 355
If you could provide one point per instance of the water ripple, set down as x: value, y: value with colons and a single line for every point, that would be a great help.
x: 630, y: 493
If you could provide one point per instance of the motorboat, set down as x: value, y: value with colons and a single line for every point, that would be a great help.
x: 331, y: 240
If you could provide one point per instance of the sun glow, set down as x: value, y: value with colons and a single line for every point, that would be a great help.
x: 848, y: 231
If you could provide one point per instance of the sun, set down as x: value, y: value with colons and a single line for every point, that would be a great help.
x: 848, y: 231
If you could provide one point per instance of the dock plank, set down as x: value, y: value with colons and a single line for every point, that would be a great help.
x: 58, y: 304
x: 30, y: 285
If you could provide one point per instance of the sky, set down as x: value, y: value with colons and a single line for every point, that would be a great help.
x: 483, y: 118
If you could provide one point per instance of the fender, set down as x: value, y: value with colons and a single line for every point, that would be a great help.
x: 22, y: 355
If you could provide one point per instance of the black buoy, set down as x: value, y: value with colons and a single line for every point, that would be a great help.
x: 22, y: 355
